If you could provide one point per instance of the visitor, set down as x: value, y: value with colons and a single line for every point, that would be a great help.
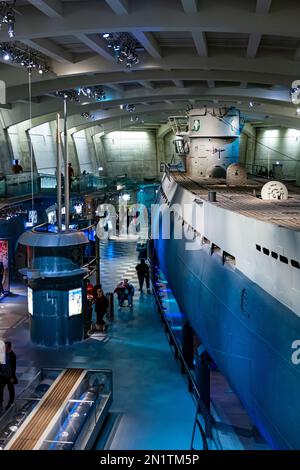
x: 125, y: 291
x: 101, y: 305
x: 8, y: 375
x: 70, y: 175
x: 89, y: 288
x: 1, y: 278
x: 142, y: 270
x: 16, y: 168
x: 90, y: 300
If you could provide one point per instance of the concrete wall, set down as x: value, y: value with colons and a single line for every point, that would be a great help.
x: 137, y: 153
x: 6, y: 154
x: 19, y: 143
x: 279, y: 145
x: 130, y: 152
x: 43, y: 141
x: 85, y: 149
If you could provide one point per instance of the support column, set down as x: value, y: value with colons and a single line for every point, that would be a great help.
x: 67, y: 180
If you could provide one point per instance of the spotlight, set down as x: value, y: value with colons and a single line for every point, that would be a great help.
x: 128, y: 107
x: 7, y: 16
x: 95, y: 93
x: 251, y: 104
x: 26, y: 57
x: 124, y: 47
x: 298, y: 111
x: 11, y: 29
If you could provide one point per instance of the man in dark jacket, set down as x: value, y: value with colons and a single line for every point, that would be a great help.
x: 142, y: 270
x: 8, y: 375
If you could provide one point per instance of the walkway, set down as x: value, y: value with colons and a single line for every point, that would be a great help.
x: 150, y: 395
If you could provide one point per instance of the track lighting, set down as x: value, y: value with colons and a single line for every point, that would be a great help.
x: 7, y: 16
x: 128, y: 107
x: 88, y: 116
x: 123, y: 47
x: 24, y: 56
x: 136, y: 119
x: 94, y: 93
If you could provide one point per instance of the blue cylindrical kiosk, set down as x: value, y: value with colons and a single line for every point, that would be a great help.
x: 55, y: 286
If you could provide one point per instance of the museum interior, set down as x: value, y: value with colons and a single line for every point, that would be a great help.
x: 149, y: 225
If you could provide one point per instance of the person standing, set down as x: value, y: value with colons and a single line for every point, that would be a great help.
x: 1, y: 278
x: 70, y: 175
x: 89, y: 313
x: 8, y: 375
x: 101, y: 305
x: 17, y: 168
x: 89, y: 287
x: 142, y: 270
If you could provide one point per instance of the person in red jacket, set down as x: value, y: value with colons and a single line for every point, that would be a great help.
x: 89, y: 288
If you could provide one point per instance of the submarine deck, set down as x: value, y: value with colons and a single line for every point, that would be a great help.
x: 244, y: 200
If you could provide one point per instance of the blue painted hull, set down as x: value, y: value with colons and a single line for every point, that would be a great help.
x: 247, y: 332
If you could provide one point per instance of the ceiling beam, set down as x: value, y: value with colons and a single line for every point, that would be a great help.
x: 120, y: 7
x: 200, y: 43
x: 97, y: 44
x: 178, y: 83
x: 146, y: 84
x: 297, y: 54
x: 253, y: 45
x: 50, y: 49
x: 177, y: 76
x: 115, y: 86
x: 190, y: 6
x: 51, y: 8
x: 157, y: 16
x: 263, y: 6
x: 148, y: 41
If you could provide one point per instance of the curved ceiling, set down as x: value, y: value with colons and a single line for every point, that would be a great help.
x: 191, y: 52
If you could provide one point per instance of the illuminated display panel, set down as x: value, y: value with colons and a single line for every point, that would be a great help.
x: 30, y: 300
x: 75, y: 302
x: 2, y: 352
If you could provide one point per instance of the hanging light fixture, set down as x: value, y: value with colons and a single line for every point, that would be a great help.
x: 7, y: 16
x: 123, y: 47
x: 128, y: 107
x: 23, y: 56
x: 88, y: 116
x: 93, y: 93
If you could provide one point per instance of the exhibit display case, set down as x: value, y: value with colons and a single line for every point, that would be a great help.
x: 61, y: 409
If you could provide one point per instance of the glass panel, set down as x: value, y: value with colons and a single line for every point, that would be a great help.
x: 81, y: 412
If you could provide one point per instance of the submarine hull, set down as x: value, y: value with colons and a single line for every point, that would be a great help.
x: 246, y: 331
